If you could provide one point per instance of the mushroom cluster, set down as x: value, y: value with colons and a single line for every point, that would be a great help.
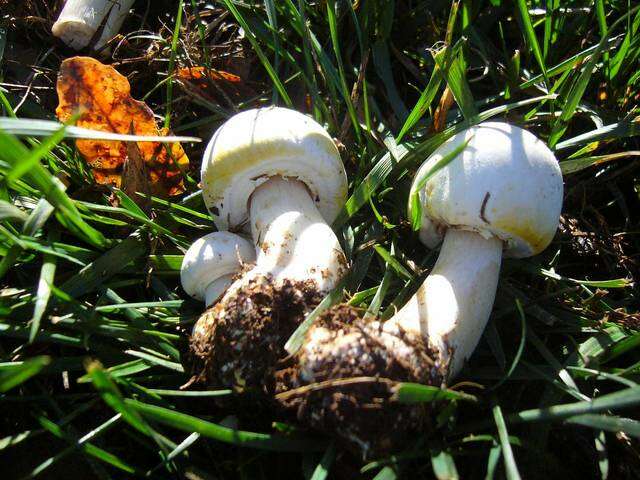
x: 501, y: 196
x: 276, y: 174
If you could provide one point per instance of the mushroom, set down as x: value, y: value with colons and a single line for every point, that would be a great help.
x: 276, y: 173
x: 211, y: 262
x: 502, y: 195
x: 80, y: 21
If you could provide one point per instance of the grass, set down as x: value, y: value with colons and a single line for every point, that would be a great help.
x: 94, y: 325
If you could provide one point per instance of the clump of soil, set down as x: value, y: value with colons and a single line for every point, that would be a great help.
x: 238, y: 342
x: 345, y: 377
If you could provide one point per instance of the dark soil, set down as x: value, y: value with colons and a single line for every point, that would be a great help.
x: 245, y: 333
x: 349, y: 392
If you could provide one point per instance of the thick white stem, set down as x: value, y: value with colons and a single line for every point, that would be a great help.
x: 451, y: 308
x: 80, y: 20
x: 292, y: 239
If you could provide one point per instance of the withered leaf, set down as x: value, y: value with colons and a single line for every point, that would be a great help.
x: 440, y: 115
x: 214, y: 85
x: 201, y: 73
x: 102, y: 98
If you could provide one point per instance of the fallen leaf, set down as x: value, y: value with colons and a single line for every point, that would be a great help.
x: 102, y: 98
x: 201, y: 73
x: 214, y: 85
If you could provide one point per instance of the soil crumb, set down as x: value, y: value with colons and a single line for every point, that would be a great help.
x: 239, y: 341
x: 344, y: 378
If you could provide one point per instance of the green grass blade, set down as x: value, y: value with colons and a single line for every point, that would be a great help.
x: 259, y: 52
x: 322, y: 470
x: 346, y: 94
x: 618, y: 130
x: 626, y: 398
x: 44, y: 128
x: 423, y: 104
x: 272, y: 17
x: 43, y: 293
x: 575, y: 94
x: 510, y: 466
x: 172, y: 61
x: 444, y: 467
x: 188, y: 423
x: 452, y: 67
x: 530, y: 37
x: 607, y: 422
x: 97, y: 272
x: 13, y: 152
x: 569, y: 167
x: 418, y: 393
x: 14, y: 374
x: 414, y: 211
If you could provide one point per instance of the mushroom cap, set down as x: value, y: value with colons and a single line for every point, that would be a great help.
x: 257, y: 144
x: 213, y: 256
x: 505, y: 183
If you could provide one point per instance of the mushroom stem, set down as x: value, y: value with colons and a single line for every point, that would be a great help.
x: 452, y: 306
x: 293, y: 241
x: 427, y: 341
x: 80, y: 20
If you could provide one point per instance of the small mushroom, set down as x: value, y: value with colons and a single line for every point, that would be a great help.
x: 80, y: 21
x: 276, y: 173
x: 501, y: 195
x: 211, y: 262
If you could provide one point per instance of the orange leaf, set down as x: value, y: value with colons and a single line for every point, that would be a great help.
x: 102, y: 97
x: 200, y: 73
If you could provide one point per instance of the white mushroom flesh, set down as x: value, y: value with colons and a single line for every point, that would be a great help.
x: 211, y: 262
x: 80, y: 20
x: 452, y: 306
x: 292, y: 238
x: 293, y: 241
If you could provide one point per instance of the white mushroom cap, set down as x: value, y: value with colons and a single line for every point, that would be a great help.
x: 211, y: 261
x: 261, y: 143
x: 506, y: 183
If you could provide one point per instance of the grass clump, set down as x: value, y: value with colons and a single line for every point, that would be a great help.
x: 94, y: 326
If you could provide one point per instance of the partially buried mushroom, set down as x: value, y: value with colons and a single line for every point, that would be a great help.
x: 502, y: 195
x: 276, y: 173
x: 84, y: 21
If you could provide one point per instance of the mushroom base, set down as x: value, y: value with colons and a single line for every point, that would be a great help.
x: 345, y: 380
x: 239, y: 341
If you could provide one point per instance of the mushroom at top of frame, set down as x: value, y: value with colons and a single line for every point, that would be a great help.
x: 80, y: 22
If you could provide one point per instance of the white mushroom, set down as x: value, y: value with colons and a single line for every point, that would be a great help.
x: 276, y: 173
x: 211, y: 262
x: 502, y: 194
x: 80, y: 20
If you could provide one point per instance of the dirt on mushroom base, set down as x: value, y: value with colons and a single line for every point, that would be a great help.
x: 352, y: 393
x: 241, y: 339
